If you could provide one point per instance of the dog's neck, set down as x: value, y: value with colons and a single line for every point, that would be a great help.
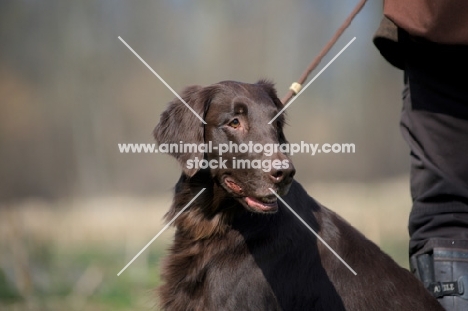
x: 210, y: 214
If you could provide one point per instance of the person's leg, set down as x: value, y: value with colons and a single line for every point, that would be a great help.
x: 434, y: 122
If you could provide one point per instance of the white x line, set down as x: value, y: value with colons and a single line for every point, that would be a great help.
x: 315, y: 233
x: 307, y: 85
x: 162, y: 80
x: 162, y: 230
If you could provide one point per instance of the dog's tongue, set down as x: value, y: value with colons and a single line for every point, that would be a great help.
x: 263, y: 206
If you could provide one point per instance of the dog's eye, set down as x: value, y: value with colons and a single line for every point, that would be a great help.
x: 234, y: 123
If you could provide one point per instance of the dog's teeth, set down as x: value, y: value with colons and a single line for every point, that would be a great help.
x: 267, y: 200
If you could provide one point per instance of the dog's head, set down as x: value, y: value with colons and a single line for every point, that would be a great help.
x: 237, y: 116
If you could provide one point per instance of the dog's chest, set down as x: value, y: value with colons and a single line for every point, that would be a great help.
x: 217, y: 274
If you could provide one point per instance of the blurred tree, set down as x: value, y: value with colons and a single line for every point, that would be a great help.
x: 70, y: 91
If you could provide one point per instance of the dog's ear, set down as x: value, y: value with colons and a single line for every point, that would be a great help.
x: 178, y: 124
x: 269, y: 88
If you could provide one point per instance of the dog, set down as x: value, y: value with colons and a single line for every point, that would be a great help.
x: 237, y: 247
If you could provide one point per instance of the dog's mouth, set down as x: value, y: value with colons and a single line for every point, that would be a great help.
x: 266, y: 204
x: 263, y: 204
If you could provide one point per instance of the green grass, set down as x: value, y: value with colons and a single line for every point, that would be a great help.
x: 397, y: 249
x: 55, y: 273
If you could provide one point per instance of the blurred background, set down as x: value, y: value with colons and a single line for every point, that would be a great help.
x: 74, y: 211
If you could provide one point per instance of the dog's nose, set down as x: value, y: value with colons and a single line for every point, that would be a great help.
x: 278, y: 175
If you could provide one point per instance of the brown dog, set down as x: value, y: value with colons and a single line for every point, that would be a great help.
x: 236, y: 247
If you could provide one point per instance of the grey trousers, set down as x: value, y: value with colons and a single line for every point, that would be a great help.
x: 434, y: 122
